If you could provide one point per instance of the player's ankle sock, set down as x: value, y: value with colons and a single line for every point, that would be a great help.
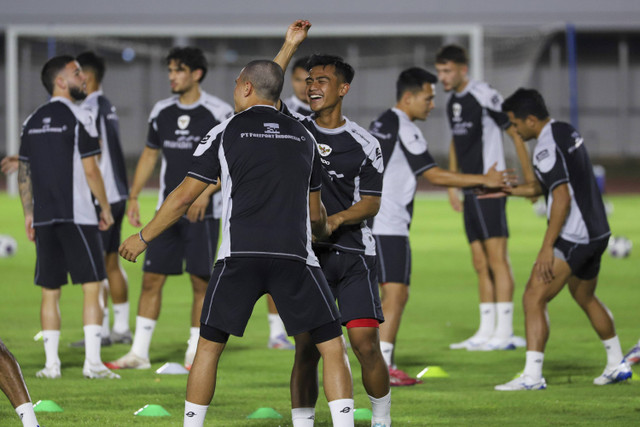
x: 614, y: 351
x: 342, y: 412
x: 92, y: 342
x: 533, y: 365
x: 303, y: 417
x: 121, y: 317
x: 487, y: 319
x: 142, y: 337
x: 387, y: 352
x: 276, y: 327
x: 194, y: 335
x: 104, y: 331
x: 381, y: 409
x: 51, y: 339
x: 27, y: 415
x: 504, y: 320
x: 194, y: 414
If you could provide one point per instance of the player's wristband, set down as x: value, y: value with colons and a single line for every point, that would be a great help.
x: 142, y: 238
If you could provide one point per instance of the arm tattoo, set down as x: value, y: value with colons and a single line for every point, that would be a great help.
x: 25, y: 188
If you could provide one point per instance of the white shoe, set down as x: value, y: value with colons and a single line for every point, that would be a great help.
x: 51, y: 372
x: 633, y: 356
x: 518, y: 342
x: 129, y: 361
x: 497, y: 344
x: 471, y: 344
x: 523, y: 382
x: 617, y: 374
x: 281, y: 342
x: 98, y: 371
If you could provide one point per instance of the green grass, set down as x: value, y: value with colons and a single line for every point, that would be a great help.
x: 442, y: 309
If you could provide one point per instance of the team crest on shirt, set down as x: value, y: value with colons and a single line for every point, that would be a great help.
x: 456, y: 108
x: 324, y: 150
x: 273, y: 128
x: 183, y: 121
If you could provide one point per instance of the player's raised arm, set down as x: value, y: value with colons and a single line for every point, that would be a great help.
x: 296, y: 33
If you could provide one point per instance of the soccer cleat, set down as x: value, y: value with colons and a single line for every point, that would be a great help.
x: 633, y: 356
x: 523, y: 382
x: 121, y: 338
x: 496, y: 344
x: 398, y: 378
x: 129, y: 361
x: 104, y: 342
x: 98, y: 371
x: 473, y: 343
x: 518, y: 342
x: 281, y: 342
x: 51, y: 372
x: 619, y: 373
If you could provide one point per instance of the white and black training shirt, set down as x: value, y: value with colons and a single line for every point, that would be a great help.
x: 560, y: 157
x: 352, y: 167
x: 476, y: 120
x: 176, y: 129
x: 112, y: 166
x: 55, y: 139
x: 406, y: 156
x: 268, y: 163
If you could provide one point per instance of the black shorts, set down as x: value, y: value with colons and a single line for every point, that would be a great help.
x: 394, y: 259
x: 195, y: 243
x: 584, y: 259
x: 111, y: 237
x: 354, y: 283
x: 485, y: 218
x: 68, y: 248
x: 299, y: 291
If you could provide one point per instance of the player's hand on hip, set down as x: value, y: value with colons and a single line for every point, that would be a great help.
x: 131, y: 248
x: 544, y: 265
x: 297, y: 32
x: 454, y: 200
x: 133, y: 213
x: 28, y: 228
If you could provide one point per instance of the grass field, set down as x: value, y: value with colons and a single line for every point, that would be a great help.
x: 442, y: 309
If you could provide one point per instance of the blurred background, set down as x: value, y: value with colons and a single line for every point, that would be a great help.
x: 582, y: 55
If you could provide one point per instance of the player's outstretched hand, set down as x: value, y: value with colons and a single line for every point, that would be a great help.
x: 106, y: 220
x: 9, y: 164
x: 498, y: 179
x: 297, y: 32
x: 131, y: 248
x: 133, y: 213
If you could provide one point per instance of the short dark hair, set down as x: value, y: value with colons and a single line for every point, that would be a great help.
x: 300, y: 63
x: 412, y: 79
x: 453, y: 53
x: 89, y: 60
x: 267, y: 78
x: 52, y: 68
x: 192, y: 57
x: 526, y: 102
x: 344, y: 70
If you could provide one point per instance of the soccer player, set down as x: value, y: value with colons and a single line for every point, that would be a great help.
x: 12, y: 384
x: 298, y: 102
x: 352, y: 185
x: 476, y: 123
x: 406, y: 156
x: 577, y: 235
x: 57, y: 176
x: 114, y: 175
x: 269, y: 168
x: 176, y: 126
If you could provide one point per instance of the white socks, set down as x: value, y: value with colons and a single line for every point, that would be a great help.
x: 381, y: 409
x: 276, y: 327
x: 614, y: 351
x: 387, y: 352
x: 142, y: 337
x: 303, y: 417
x: 51, y: 339
x: 342, y: 412
x: 487, y: 320
x: 121, y: 317
x: 194, y: 335
x: 27, y: 415
x: 504, y: 320
x: 533, y: 365
x: 194, y: 414
x: 92, y: 343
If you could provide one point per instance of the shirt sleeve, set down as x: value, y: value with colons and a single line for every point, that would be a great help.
x: 88, y: 141
x: 415, y: 149
x: 493, y: 103
x: 153, y: 140
x: 205, y: 165
x: 23, y: 152
x: 371, y: 170
x: 550, y: 167
x: 316, y: 171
